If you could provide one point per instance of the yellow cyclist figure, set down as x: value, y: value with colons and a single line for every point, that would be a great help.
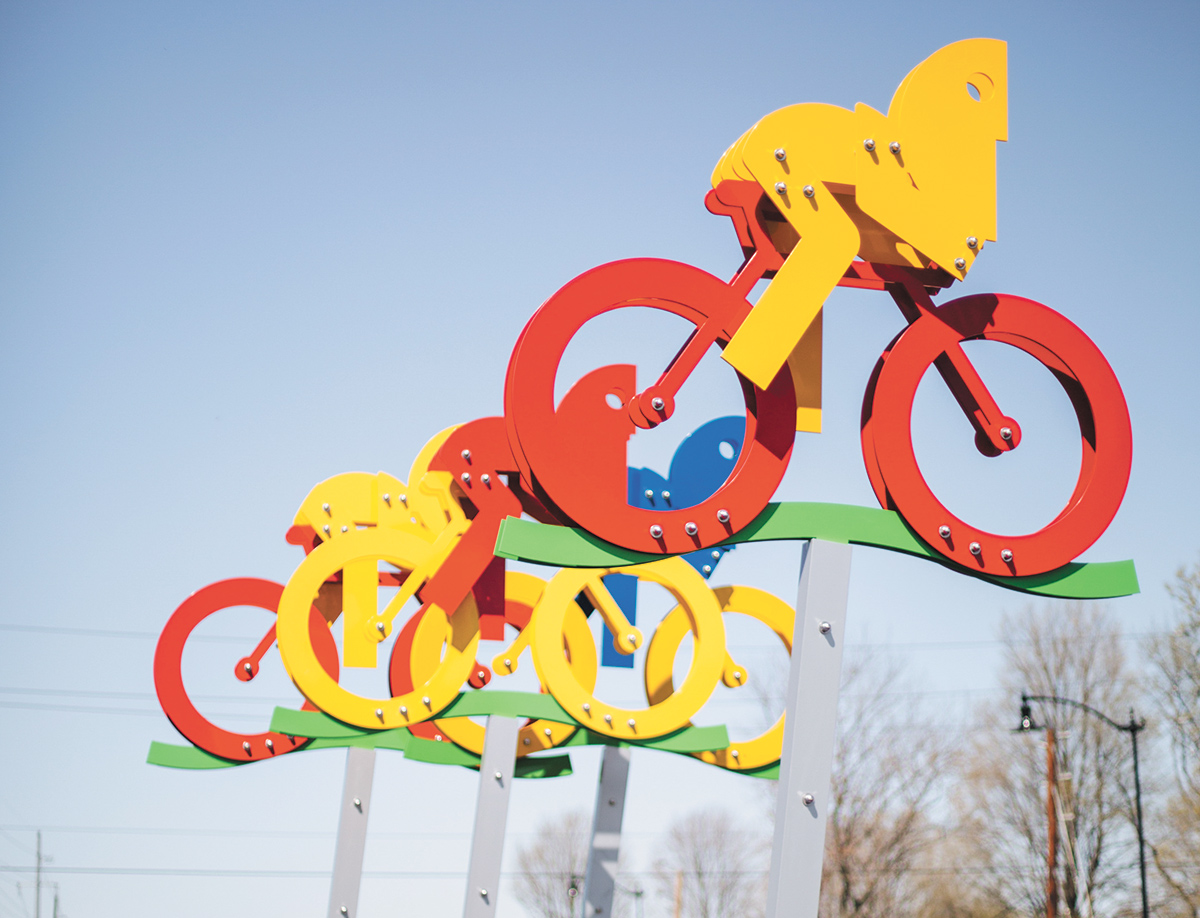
x: 914, y: 187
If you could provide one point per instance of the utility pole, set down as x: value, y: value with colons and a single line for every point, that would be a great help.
x: 1052, y: 818
x: 1134, y: 727
x: 37, y: 882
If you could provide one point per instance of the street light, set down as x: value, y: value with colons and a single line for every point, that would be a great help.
x: 1133, y: 728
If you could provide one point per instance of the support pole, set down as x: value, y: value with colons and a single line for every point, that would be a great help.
x: 802, y: 804
x: 352, y: 833
x: 491, y: 814
x: 600, y: 885
x: 1052, y: 827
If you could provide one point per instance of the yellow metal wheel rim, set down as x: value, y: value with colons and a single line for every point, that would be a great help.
x: 773, y: 612
x: 406, y: 551
x: 703, y: 616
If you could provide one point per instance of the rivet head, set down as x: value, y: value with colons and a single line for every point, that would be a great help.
x: 1006, y: 555
x: 707, y: 569
x: 722, y: 516
x: 808, y: 799
x: 404, y: 498
x: 325, y: 529
x: 526, y: 741
x: 270, y: 744
x: 466, y: 477
x: 387, y: 498
x: 586, y: 706
x: 631, y: 638
x: 960, y: 263
x: 716, y: 556
x: 245, y: 747
x: 972, y: 242
x: 247, y: 667
x: 425, y: 701
x: 485, y: 478
x: 483, y: 893
x: 649, y: 494
x: 344, y: 910
x: 380, y: 626
x: 656, y: 531
x: 894, y: 146
x: 632, y: 723
x: 824, y: 627
x: 781, y: 154
x: 499, y: 776
x: 781, y: 187
x: 345, y: 529
x: 690, y: 528
x: 944, y: 531
x: 737, y: 676
x: 508, y: 662
x: 548, y: 731
x: 975, y: 548
x: 466, y: 454
x: 666, y: 495
x: 657, y: 403
x: 1005, y: 433
x: 379, y: 713
x: 734, y: 753
x: 404, y: 710
x: 325, y: 507
x: 869, y: 145
x: 357, y: 802
x: 608, y: 718
x: 809, y: 191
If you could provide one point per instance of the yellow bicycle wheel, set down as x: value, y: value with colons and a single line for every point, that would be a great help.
x: 773, y: 612
x: 703, y: 616
x: 408, y: 552
x: 578, y: 648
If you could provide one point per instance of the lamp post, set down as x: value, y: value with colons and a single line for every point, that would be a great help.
x: 1133, y: 728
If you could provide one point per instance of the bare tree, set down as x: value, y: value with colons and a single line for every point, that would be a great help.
x: 1069, y: 650
x: 715, y: 867
x: 552, y: 864
x: 1175, y: 679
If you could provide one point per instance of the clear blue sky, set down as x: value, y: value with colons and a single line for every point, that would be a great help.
x: 245, y: 247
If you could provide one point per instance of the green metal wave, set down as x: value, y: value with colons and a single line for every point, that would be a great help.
x: 562, y: 546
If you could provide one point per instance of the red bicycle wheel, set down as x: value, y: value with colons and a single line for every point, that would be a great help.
x: 574, y: 456
x: 168, y: 677
x: 1105, y: 433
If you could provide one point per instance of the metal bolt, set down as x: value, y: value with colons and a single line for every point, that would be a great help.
x: 466, y: 477
x: 809, y: 191
x: 344, y: 910
x: 975, y: 548
x: 379, y: 713
x: 345, y: 529
x: 586, y: 706
x: 481, y: 674
x: 894, y: 146
x: 387, y: 499
x: 824, y: 627
x: 632, y: 723
x: 722, y: 516
x: 608, y: 718
x: 649, y: 494
x: 548, y: 732
x: 404, y: 710
x: 808, y: 799
x: 379, y: 626
x: 425, y: 701
x: 631, y: 638
x: 960, y: 263
x: 781, y: 154
x: 869, y: 145
x: 508, y: 662
x: 247, y: 667
x: 527, y: 741
x: 737, y: 675
x: 781, y: 187
x: 690, y: 528
x: 1006, y: 555
x: 657, y: 403
x: 483, y: 893
x: 1005, y: 433
x: 466, y: 454
x: 656, y: 531
x: 944, y: 531
x: 734, y: 753
x: 325, y: 507
x: 245, y: 747
x: 404, y: 498
x: 271, y: 745
x: 325, y: 529
x: 716, y: 556
x: 437, y: 737
x: 499, y: 776
x: 707, y: 569
x: 972, y: 242
x: 666, y: 495
x: 358, y: 803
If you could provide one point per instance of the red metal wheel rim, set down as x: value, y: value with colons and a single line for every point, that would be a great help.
x: 574, y: 456
x: 168, y: 676
x: 1105, y: 432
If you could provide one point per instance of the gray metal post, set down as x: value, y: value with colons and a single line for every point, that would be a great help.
x: 352, y: 833
x: 802, y: 804
x: 600, y: 884
x: 491, y: 814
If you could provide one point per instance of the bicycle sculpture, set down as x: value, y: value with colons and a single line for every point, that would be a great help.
x: 819, y: 197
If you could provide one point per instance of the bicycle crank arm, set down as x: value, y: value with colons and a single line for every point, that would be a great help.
x: 247, y: 667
